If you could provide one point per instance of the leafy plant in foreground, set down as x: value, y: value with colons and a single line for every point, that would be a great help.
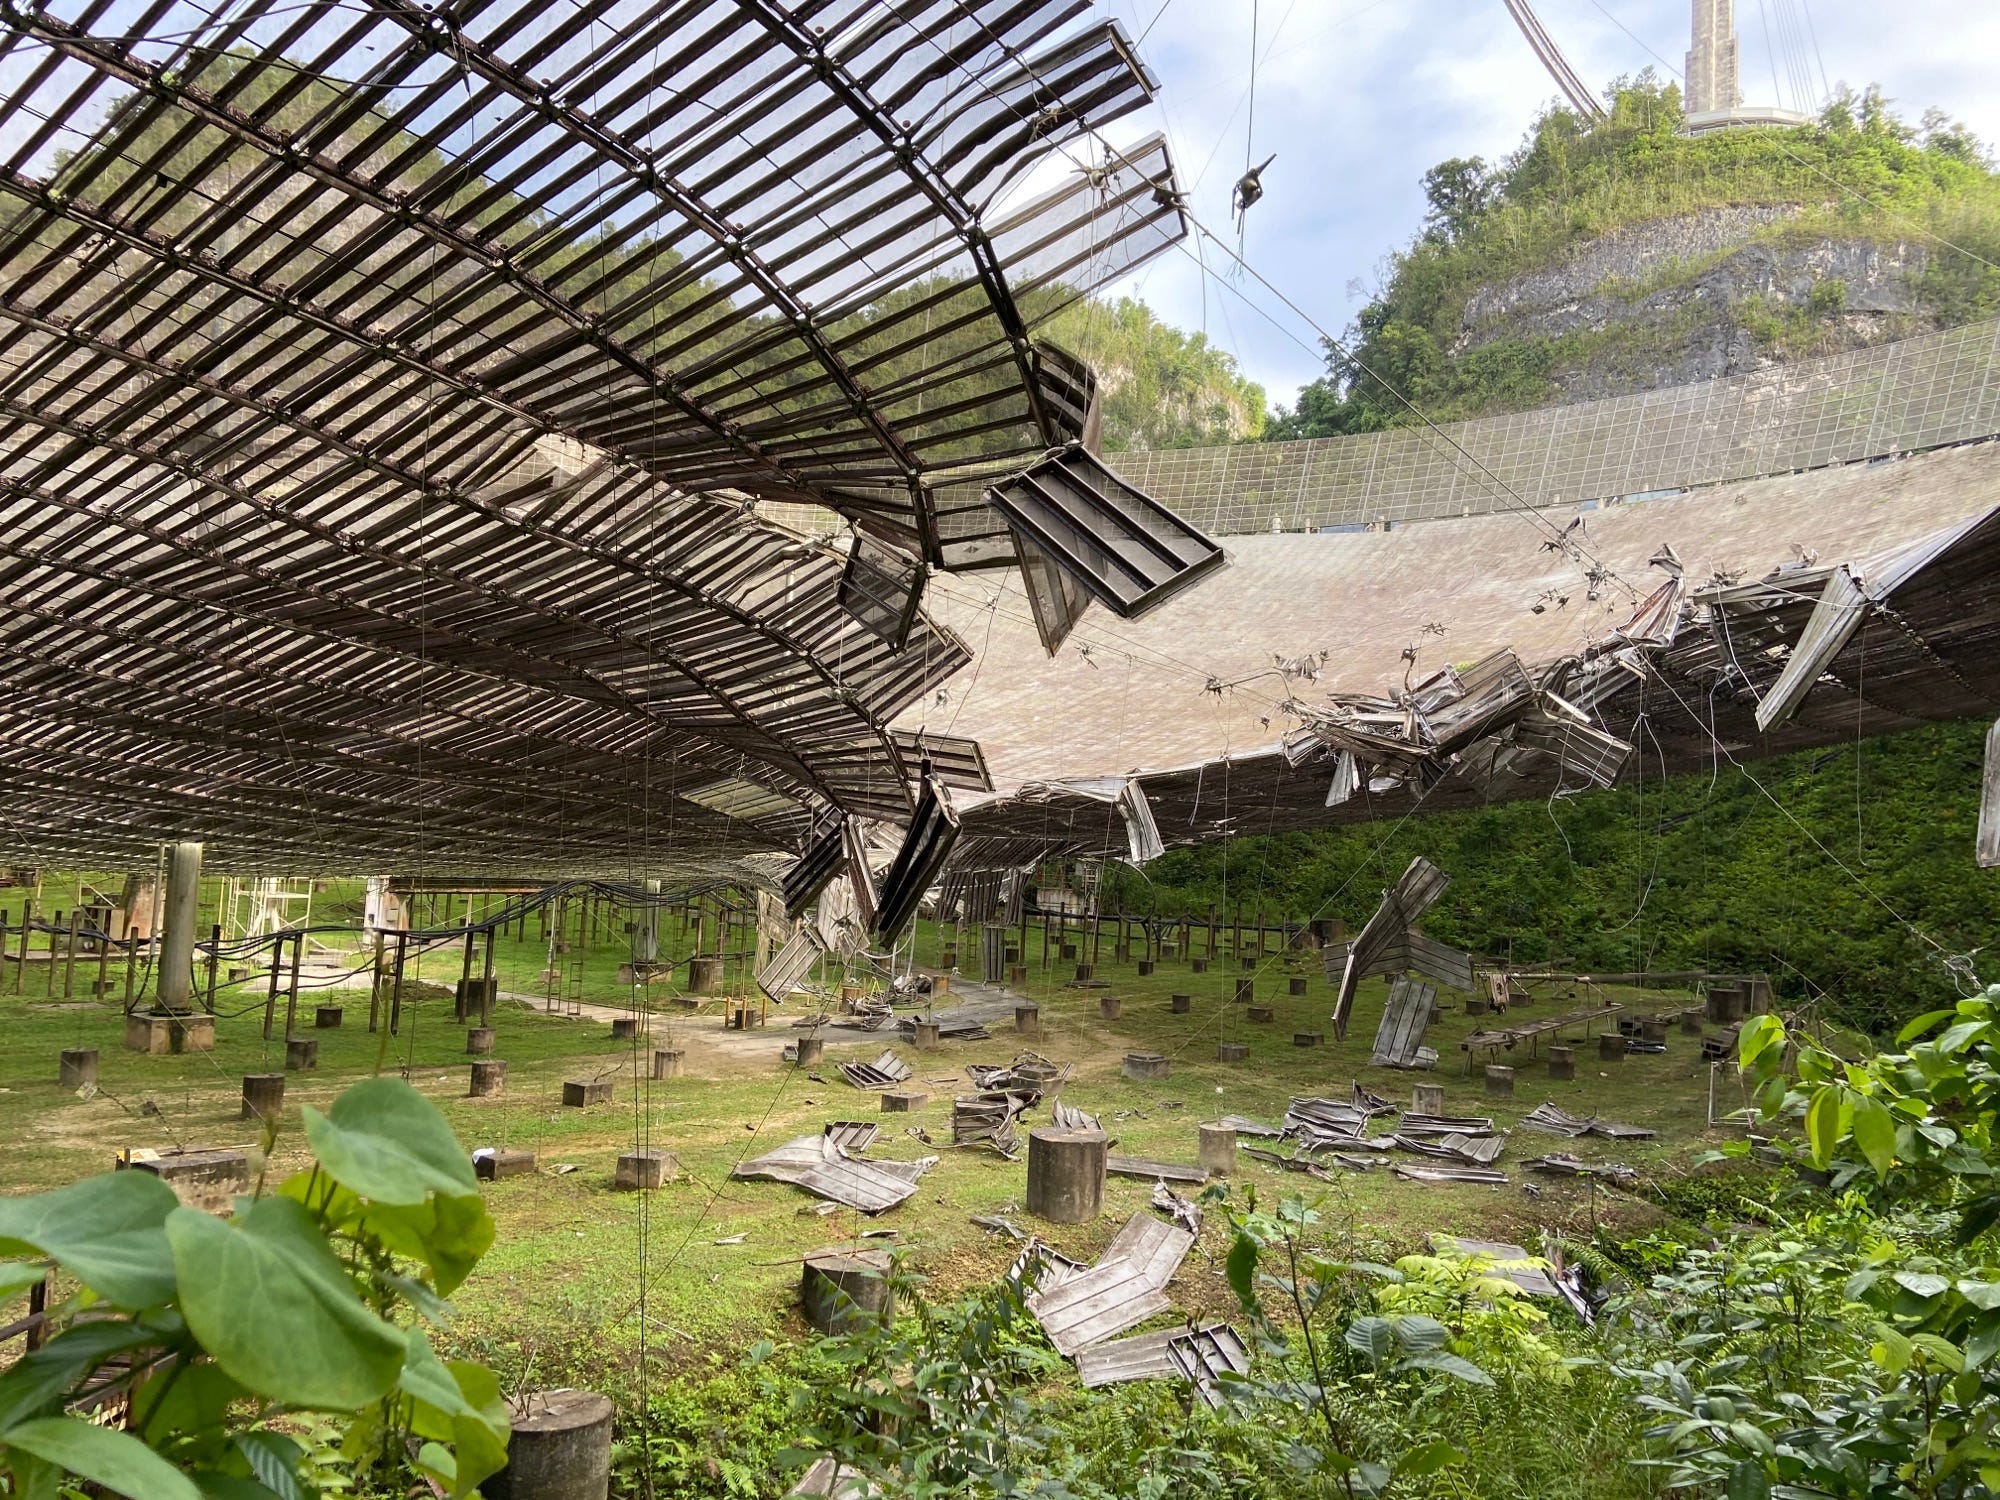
x: 310, y: 1299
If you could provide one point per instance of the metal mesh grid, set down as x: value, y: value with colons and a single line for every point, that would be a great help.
x: 1918, y: 393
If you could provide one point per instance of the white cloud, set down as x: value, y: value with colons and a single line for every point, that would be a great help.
x: 1358, y: 97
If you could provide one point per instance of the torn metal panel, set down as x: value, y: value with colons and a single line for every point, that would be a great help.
x: 1386, y: 931
x: 1551, y: 1119
x: 1125, y: 1287
x: 852, y: 1136
x: 1243, y: 1125
x: 1056, y: 598
x: 1143, y: 1356
x: 1406, y: 1016
x: 1563, y: 1164
x: 817, y: 1164
x: 1448, y: 1174
x: 1508, y: 1261
x: 1427, y: 1125
x: 933, y: 829
x: 1843, y: 604
x: 1126, y: 550
x: 1029, y: 1075
x: 1209, y: 1358
x: 1476, y: 1150
x: 880, y: 588
x: 1561, y: 730
x: 957, y: 762
x: 885, y: 1072
x: 987, y: 1120
x: 815, y: 867
x: 1153, y: 1171
x: 1346, y: 778
x: 1069, y: 1117
x: 1988, y: 845
x: 780, y: 978
x: 1175, y: 1207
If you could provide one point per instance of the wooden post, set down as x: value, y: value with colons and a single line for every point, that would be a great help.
x: 214, y: 965
x: 69, y: 954
x: 396, y: 984
x: 271, y: 995
x: 55, y: 930
x: 103, y: 951
x: 375, y: 988
x: 27, y: 922
x: 131, y: 972
x: 292, y: 994
x: 488, y: 987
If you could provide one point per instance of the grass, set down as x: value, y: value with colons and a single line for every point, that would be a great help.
x: 559, y: 1296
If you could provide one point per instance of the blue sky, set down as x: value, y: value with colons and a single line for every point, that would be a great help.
x: 1358, y: 97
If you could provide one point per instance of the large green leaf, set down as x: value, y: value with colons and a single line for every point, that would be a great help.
x: 269, y: 1301
x: 460, y: 1404
x: 1875, y: 1133
x: 105, y: 1231
x: 1823, y: 1125
x: 18, y: 1277
x: 388, y: 1143
x: 115, y: 1460
x: 448, y: 1234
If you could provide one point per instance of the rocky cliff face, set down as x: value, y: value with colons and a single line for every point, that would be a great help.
x: 1699, y: 296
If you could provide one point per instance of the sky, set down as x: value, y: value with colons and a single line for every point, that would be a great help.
x: 1358, y: 97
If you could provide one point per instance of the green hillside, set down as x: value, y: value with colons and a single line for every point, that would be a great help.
x: 1162, y: 388
x: 1693, y: 256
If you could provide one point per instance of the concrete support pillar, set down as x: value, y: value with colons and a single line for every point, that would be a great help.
x: 1066, y: 1174
x: 1218, y: 1150
x: 176, y: 981
x: 560, y: 1449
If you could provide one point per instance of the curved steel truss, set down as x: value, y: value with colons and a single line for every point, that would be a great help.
x: 387, y: 393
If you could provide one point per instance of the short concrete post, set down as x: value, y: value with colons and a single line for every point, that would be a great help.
x: 1145, y: 968
x: 1562, y: 1064
x: 1263, y: 1015
x: 1476, y: 1005
x: 263, y: 1095
x: 1180, y: 1005
x: 1691, y: 1022
x: 1296, y: 985
x: 1197, y: 966
x: 841, y: 1289
x: 77, y: 1067
x: 1653, y: 1029
x: 667, y: 1062
x: 1217, y: 1156
x: 704, y: 975
x: 1084, y: 972
x: 1308, y: 1039
x: 811, y: 1049
x: 1017, y: 973
x: 1108, y: 1007
x: 903, y: 1101
x: 1500, y: 1081
x: 624, y: 1028
x: 1145, y: 1067
x: 1611, y: 1047
x: 497, y: 1164
x: 301, y: 1054
x: 1232, y: 1052
x: 326, y: 1018
x: 1246, y: 991
x: 560, y: 1449
x: 580, y: 1093
x: 489, y: 1079
x: 478, y: 1041
x: 638, y: 1171
x: 927, y: 1036
x: 1427, y: 1099
x: 1028, y: 1020
x: 1066, y: 1174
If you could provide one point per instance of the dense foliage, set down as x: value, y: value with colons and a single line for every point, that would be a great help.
x: 320, y: 1297
x: 1699, y: 871
x: 1859, y: 172
x: 1161, y: 388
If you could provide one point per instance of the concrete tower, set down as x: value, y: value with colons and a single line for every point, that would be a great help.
x: 1711, y: 60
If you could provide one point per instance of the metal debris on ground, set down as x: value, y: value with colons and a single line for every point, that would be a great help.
x: 1126, y: 1286
x: 1551, y: 1120
x: 1001, y: 1224
x: 1510, y: 1262
x: 988, y: 1120
x: 1562, y: 1164
x: 1207, y: 1355
x: 1421, y: 1125
x: 815, y: 1163
x: 1042, y: 1267
x: 1244, y: 1126
x: 885, y: 1072
x: 1175, y: 1207
x: 1152, y: 1171
x: 1069, y: 1117
x: 1447, y: 1174
x: 1030, y: 1075
x: 1406, y: 1016
x: 957, y: 1024
x: 852, y: 1136
x: 827, y: 1477
x: 1390, y: 942
x: 1324, y: 1120
x: 1474, y: 1150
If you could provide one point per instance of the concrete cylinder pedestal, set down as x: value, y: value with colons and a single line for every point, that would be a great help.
x: 1653, y: 1029
x: 560, y: 1449
x: 1562, y: 1064
x: 1017, y: 973
x: 1066, y: 1174
x: 1028, y: 1020
x: 77, y: 1067
x: 841, y: 1289
x: 1217, y: 1155
x: 811, y: 1050
x: 1146, y: 1067
x: 1427, y: 1099
x: 326, y: 1018
x: 1500, y: 1081
x: 1145, y: 968
x: 1691, y: 1023
x: 1263, y: 1015
x: 478, y: 1041
x: 1180, y: 1005
x: 704, y: 976
x: 1246, y: 991
x: 667, y: 1062
x: 926, y: 1036
x: 624, y: 1028
x: 489, y: 1079
x: 301, y: 1054
x: 1611, y: 1047
x: 1725, y: 1005
x: 1108, y: 1006
x: 1232, y: 1052
x: 263, y: 1095
x: 1296, y: 985
x: 1084, y: 972
x: 1197, y: 966
x: 641, y: 1170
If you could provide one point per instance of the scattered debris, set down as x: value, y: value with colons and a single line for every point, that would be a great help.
x: 1447, y: 1174
x: 1001, y: 1224
x: 730, y: 1239
x: 1551, y: 1120
x: 1406, y: 1016
x: 885, y: 1072
x: 817, y: 1164
x: 1562, y: 1164
x: 1390, y: 943
x: 1243, y: 1126
x: 1121, y: 1290
x: 1474, y: 1150
x: 1423, y: 1125
x: 1176, y: 1208
x: 1200, y: 1355
x: 827, y: 1477
x: 1206, y: 1355
x: 1154, y: 1171
x: 1069, y: 1117
x: 1509, y: 1261
x: 988, y: 1120
x: 1030, y: 1075
x: 959, y: 1023
x: 852, y: 1136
